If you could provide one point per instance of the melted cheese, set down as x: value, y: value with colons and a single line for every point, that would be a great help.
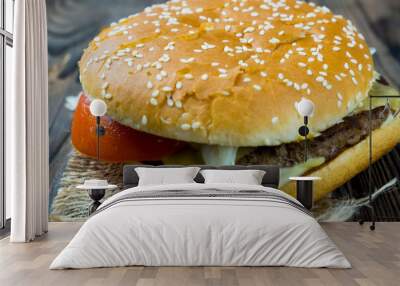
x: 219, y: 155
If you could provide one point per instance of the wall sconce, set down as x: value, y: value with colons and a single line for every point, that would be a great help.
x: 305, y: 108
x: 98, y: 108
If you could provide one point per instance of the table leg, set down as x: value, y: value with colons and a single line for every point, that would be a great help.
x: 305, y: 193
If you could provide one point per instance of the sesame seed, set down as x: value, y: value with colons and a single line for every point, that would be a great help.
x: 164, y: 58
x: 196, y: 125
x: 247, y: 79
x: 275, y: 120
x: 149, y: 85
x: 167, y: 88
x: 207, y: 46
x: 257, y: 87
x: 155, y: 93
x: 302, y: 65
x: 309, y: 72
x: 288, y: 82
x: 153, y: 101
x: 178, y: 85
x: 170, y: 102
x: 108, y: 95
x: 304, y: 86
x: 227, y: 49
x: 144, y: 120
x: 187, y: 61
x: 274, y: 41
x: 158, y: 65
x: 188, y: 76
x: 325, y: 67
x: 178, y: 104
x: 204, y: 76
x: 281, y: 76
x: 354, y: 80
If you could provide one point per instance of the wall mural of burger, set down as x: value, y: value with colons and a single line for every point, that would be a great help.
x: 217, y: 82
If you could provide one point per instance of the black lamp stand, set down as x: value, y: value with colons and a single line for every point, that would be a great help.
x: 304, y: 131
x: 100, y: 131
x: 97, y: 194
x: 370, y: 204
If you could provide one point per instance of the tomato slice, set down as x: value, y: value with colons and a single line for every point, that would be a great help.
x: 120, y: 143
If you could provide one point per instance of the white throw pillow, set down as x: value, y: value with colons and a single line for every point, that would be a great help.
x: 164, y: 176
x: 248, y: 177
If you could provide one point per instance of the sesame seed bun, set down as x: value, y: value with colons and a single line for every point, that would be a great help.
x: 228, y: 72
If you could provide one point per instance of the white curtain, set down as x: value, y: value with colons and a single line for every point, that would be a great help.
x: 27, y: 124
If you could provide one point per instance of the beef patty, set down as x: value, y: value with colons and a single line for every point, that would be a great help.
x: 329, y: 144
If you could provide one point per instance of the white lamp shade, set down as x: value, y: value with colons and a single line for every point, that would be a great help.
x: 98, y: 107
x: 305, y: 107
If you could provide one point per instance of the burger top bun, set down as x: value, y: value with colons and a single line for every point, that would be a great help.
x: 228, y: 72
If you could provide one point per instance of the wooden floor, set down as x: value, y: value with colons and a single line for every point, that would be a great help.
x: 375, y: 257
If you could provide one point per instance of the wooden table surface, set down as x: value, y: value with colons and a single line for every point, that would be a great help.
x: 73, y: 23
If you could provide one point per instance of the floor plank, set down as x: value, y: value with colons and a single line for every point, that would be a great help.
x: 375, y: 257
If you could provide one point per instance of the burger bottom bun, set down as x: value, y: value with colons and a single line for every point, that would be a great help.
x: 354, y: 160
